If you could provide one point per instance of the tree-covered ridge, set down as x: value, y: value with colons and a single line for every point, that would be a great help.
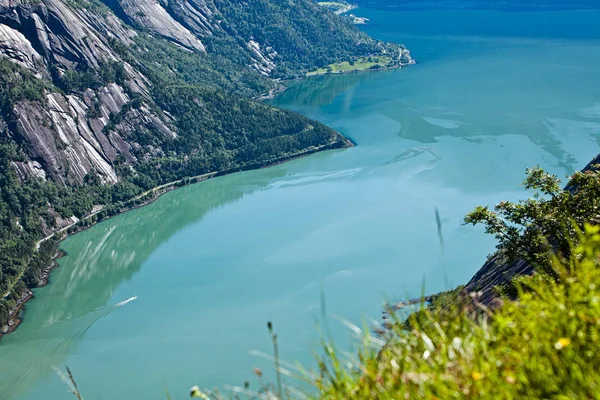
x: 165, y: 64
x: 304, y: 35
x: 218, y: 126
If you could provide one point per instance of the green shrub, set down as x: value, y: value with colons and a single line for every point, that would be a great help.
x: 545, y: 345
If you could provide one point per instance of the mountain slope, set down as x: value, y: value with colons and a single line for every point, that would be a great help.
x: 102, y: 101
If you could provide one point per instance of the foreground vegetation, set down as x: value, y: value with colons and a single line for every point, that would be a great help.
x: 544, y: 344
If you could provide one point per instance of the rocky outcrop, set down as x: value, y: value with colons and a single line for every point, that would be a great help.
x: 69, y: 37
x: 18, y: 48
x: 28, y: 169
x: 197, y: 15
x: 496, y: 272
x: 153, y: 16
x: 66, y: 136
x: 61, y: 137
x: 70, y: 144
x: 264, y: 58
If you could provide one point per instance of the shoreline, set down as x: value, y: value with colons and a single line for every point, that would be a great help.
x: 151, y: 195
x: 17, y: 313
x: 399, y: 65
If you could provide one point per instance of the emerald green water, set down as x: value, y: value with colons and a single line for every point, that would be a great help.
x: 212, y: 262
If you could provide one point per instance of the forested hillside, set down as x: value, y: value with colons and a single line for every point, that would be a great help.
x: 102, y: 101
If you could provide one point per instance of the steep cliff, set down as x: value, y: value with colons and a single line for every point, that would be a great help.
x: 63, y: 131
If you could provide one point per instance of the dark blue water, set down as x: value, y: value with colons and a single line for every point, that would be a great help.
x: 503, y: 5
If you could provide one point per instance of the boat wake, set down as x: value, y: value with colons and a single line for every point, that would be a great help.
x: 47, y: 346
x: 122, y: 303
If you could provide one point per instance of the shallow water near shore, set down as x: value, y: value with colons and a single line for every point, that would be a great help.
x: 212, y: 262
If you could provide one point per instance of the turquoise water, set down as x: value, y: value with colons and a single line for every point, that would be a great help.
x: 212, y: 262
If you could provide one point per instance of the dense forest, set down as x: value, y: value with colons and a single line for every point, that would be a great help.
x: 293, y: 32
x: 102, y: 117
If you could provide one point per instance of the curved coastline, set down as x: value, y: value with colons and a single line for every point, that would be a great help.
x: 150, y: 196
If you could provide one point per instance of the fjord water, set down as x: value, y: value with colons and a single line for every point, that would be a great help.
x: 493, y: 93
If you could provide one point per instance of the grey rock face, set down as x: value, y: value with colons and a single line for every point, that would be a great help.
x: 69, y: 37
x: 197, y: 15
x: 66, y: 137
x: 61, y: 137
x: 70, y: 144
x: 495, y: 272
x: 29, y: 169
x: 187, y: 22
x: 152, y: 15
x: 14, y: 45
